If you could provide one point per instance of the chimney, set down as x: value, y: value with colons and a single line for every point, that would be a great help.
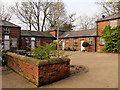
x: 103, y: 16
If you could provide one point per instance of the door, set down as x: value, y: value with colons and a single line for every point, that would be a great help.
x: 82, y: 48
x: 6, y: 45
x: 32, y: 44
x: 63, y: 45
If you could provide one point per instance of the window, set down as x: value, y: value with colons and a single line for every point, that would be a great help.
x: 102, y: 41
x: 90, y: 41
x: 32, y: 38
x: 113, y: 23
x: 27, y: 43
x: 6, y: 37
x: 6, y: 31
x: 38, y: 42
x: 14, y: 43
x: 75, y: 42
x: 67, y: 41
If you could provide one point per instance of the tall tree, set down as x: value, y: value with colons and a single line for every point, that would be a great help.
x: 4, y: 13
x: 87, y: 22
x: 68, y: 25
x: 52, y: 17
x: 24, y: 12
x: 45, y: 9
x: 109, y: 7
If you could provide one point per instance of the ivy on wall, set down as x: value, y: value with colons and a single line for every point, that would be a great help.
x: 112, y: 39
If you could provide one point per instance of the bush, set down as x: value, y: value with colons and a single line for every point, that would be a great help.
x: 69, y: 49
x: 112, y: 38
x: 74, y: 49
x: 85, y: 44
x: 83, y: 50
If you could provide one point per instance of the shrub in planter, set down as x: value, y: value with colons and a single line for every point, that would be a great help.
x: 46, y: 52
x: 85, y: 44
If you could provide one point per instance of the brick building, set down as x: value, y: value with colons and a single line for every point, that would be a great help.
x: 14, y: 38
x: 113, y: 21
x: 75, y: 39
x: 10, y: 35
x: 33, y: 38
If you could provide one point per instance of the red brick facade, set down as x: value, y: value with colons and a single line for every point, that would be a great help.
x: 72, y: 45
x: 14, y: 34
x: 99, y: 27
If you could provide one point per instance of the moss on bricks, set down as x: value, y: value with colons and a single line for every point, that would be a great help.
x: 36, y: 61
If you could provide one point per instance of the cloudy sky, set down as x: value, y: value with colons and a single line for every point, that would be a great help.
x: 80, y: 7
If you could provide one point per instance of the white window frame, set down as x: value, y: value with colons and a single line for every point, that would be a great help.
x: 14, y: 43
x: 90, y: 41
x: 6, y: 37
x: 32, y: 38
x: 113, y: 23
x: 102, y: 41
x: 6, y: 31
x: 27, y: 43
x: 38, y: 42
x: 75, y: 42
x: 67, y: 41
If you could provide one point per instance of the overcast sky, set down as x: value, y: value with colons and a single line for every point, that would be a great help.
x: 80, y: 7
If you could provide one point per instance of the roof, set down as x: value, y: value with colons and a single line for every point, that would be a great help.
x: 82, y: 33
x: 111, y: 17
x: 35, y: 33
x: 7, y: 24
x: 55, y: 29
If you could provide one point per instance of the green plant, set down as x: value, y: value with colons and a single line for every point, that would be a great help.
x: 46, y: 52
x: 85, y: 44
x: 83, y: 50
x: 112, y: 38
x: 74, y: 49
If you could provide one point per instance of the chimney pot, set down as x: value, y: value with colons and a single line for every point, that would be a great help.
x: 103, y: 16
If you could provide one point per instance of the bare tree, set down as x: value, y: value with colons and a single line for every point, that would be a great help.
x: 68, y: 25
x: 109, y: 7
x: 35, y: 14
x: 87, y: 22
x: 4, y: 13
x: 45, y: 9
x: 52, y: 17
x: 36, y: 6
x: 24, y: 12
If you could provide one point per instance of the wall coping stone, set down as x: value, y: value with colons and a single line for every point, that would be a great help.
x: 36, y: 61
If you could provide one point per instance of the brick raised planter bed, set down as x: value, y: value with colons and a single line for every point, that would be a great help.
x: 39, y: 71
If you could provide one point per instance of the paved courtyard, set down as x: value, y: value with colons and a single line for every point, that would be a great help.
x: 102, y: 73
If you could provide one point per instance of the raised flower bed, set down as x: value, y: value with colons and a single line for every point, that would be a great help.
x: 39, y: 71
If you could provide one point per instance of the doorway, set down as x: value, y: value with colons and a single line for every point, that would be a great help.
x: 82, y: 48
x: 6, y: 45
x: 33, y: 44
x: 63, y: 45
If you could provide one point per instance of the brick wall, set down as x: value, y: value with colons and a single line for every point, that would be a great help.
x: 71, y: 45
x: 39, y: 71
